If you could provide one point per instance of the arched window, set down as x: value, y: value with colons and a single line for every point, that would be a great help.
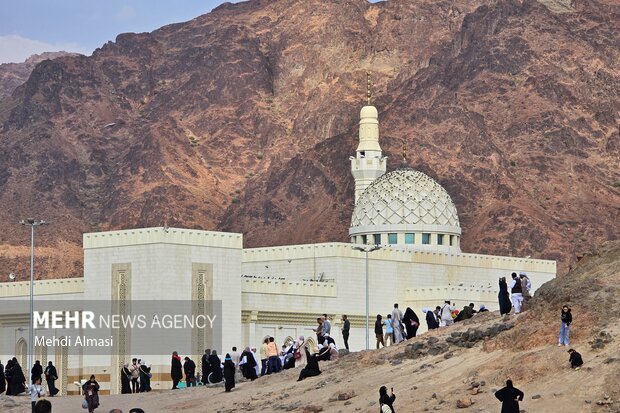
x: 21, y: 354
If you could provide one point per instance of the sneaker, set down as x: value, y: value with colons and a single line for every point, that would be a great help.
x: 559, y: 344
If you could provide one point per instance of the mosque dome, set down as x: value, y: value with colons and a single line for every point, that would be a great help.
x: 406, y: 206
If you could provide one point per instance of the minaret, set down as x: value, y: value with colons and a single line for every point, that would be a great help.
x: 368, y: 164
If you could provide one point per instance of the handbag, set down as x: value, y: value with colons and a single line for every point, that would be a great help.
x: 297, y: 355
x: 84, y: 404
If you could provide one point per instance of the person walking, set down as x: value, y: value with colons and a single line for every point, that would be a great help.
x: 229, y: 373
x: 51, y: 375
x: 386, y: 402
x: 263, y: 356
x: 388, y: 338
x: 510, y: 397
x: 134, y: 369
x: 145, y: 377
x: 205, y: 366
x: 566, y: 318
x: 397, y: 325
x: 346, y: 326
x: 504, y: 297
x: 272, y: 356
x: 575, y: 359
x: 526, y: 286
x: 36, y: 391
x: 319, y: 330
x: 176, y: 370
x: 431, y: 318
x: 189, y: 368
x: 445, y: 314
x: 216, y: 368
x: 411, y: 322
x: 516, y: 293
x: 36, y: 371
x: 379, y: 331
x: 2, y: 379
x: 125, y: 379
x: 91, y: 394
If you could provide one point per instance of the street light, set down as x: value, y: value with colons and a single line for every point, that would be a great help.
x: 32, y: 223
x: 367, y: 250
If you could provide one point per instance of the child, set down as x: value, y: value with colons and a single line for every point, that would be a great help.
x: 36, y: 391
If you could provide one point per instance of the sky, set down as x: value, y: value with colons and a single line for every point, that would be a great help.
x: 35, y: 26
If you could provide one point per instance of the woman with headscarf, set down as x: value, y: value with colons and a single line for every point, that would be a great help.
x: 8, y: 373
x: 125, y: 379
x: 312, y: 366
x: 300, y: 354
x: 257, y: 361
x: 386, y: 403
x: 206, y: 368
x: 504, y: 298
x: 51, y: 375
x: 91, y: 393
x: 411, y: 322
x: 36, y: 371
x: 2, y: 381
x: 229, y: 373
x: 18, y: 380
x: 248, y: 364
x: 145, y: 376
x: 216, y: 368
x: 510, y: 397
x: 176, y: 370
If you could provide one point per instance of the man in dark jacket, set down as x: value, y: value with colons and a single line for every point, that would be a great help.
x: 189, y: 367
x: 176, y: 370
x: 575, y: 359
x: 510, y: 397
x: 346, y: 326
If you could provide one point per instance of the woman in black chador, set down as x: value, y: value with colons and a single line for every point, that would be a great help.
x: 510, y: 397
x: 312, y: 366
x: 504, y: 298
x: 125, y: 379
x: 18, y: 380
x: 411, y: 322
x: 229, y: 373
x: 51, y: 375
x: 216, y: 369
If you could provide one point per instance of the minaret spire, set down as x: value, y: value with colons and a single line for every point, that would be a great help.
x: 369, y: 88
x: 368, y: 163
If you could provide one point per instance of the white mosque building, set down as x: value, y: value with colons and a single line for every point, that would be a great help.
x: 276, y: 291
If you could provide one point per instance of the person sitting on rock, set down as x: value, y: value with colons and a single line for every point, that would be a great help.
x: 386, y: 402
x: 575, y: 359
x: 510, y: 397
x: 312, y: 366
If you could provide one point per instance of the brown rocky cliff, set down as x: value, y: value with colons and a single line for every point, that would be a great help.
x: 243, y: 119
x: 14, y: 74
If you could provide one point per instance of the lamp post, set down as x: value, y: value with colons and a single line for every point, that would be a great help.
x: 367, y: 250
x: 31, y: 222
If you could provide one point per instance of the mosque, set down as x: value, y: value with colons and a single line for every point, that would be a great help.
x: 407, y: 218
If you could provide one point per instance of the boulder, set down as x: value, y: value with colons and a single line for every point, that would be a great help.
x: 464, y: 403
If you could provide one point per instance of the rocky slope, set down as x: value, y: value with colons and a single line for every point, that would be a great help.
x: 450, y: 369
x: 243, y: 120
x: 15, y: 74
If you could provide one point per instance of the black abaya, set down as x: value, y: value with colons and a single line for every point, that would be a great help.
x: 504, y: 298
x: 312, y: 367
x: 229, y: 373
x: 17, y: 380
x: 216, y: 370
x: 249, y: 367
x: 508, y: 396
x: 2, y: 381
x: 125, y: 379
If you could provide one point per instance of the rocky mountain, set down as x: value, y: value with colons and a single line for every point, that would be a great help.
x: 15, y: 74
x: 243, y: 120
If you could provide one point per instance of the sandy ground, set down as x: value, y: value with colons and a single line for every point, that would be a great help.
x: 425, y: 384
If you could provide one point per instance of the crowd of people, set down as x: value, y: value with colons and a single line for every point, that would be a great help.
x: 271, y: 359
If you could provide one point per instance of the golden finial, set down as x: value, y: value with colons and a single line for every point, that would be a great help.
x: 369, y: 85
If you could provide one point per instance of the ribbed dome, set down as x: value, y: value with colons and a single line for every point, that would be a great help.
x: 405, y: 197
